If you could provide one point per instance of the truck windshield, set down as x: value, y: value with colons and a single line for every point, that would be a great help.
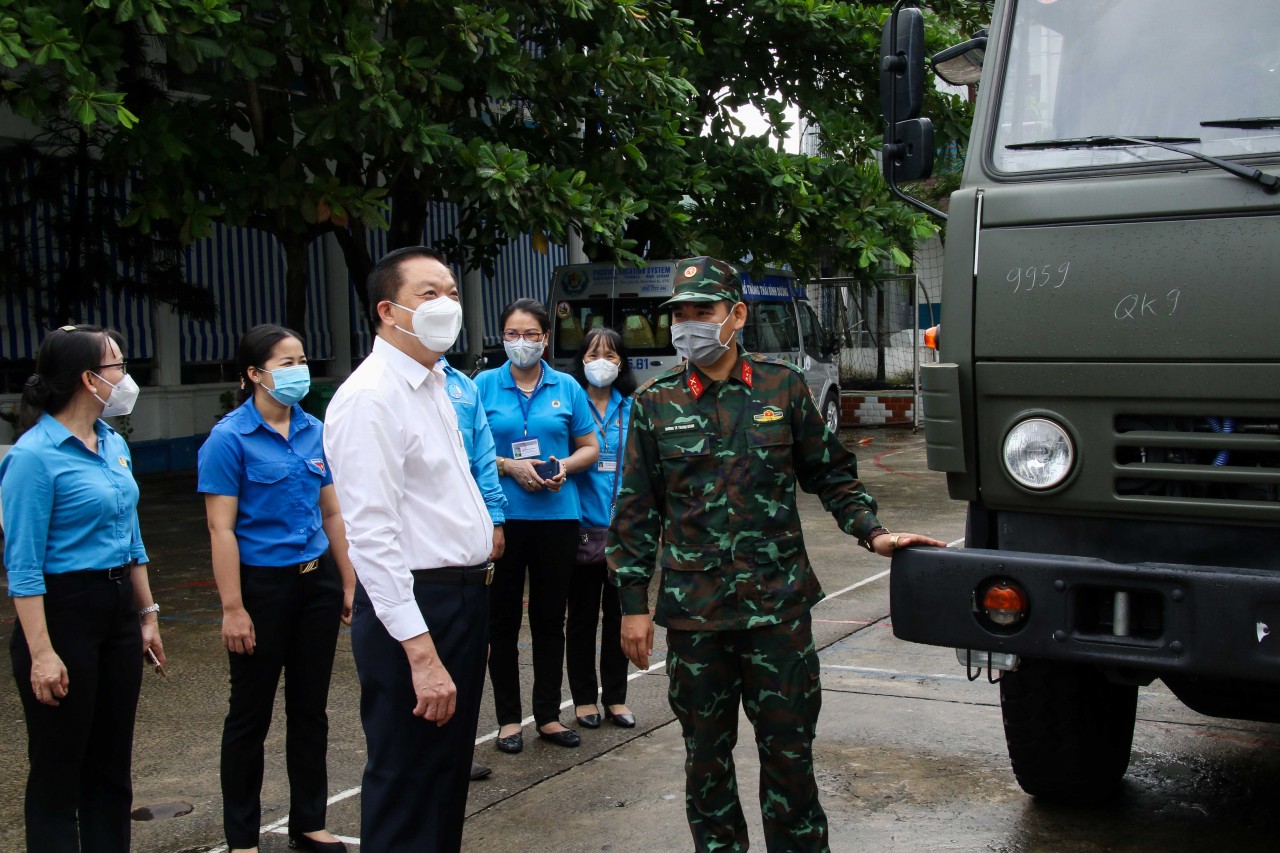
x: 1188, y: 69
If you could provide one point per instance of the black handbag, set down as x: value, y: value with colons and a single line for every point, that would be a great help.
x: 591, y: 545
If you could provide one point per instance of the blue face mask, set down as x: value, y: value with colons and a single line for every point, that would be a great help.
x: 292, y: 384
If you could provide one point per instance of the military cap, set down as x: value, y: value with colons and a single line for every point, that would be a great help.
x: 704, y: 279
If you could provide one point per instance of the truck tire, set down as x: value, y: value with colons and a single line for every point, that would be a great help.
x: 1069, y: 730
x: 831, y: 413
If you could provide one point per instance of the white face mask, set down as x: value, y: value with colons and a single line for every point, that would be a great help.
x: 523, y: 353
x: 601, y: 372
x: 121, y: 399
x: 436, y: 323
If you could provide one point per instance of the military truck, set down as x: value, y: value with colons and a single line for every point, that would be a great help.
x: 1107, y: 399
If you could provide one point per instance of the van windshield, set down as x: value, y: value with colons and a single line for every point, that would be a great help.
x: 645, y: 328
x: 1167, y: 67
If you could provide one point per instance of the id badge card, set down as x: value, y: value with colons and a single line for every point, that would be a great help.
x: 525, y: 449
x: 608, y: 463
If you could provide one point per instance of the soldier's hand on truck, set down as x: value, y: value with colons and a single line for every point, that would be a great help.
x: 886, y: 543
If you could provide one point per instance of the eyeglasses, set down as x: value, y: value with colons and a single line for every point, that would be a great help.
x: 513, y: 336
x: 123, y: 365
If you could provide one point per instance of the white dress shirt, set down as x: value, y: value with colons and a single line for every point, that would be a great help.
x: 404, y: 482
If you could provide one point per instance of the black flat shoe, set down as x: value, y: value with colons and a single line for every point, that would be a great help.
x: 589, y: 721
x: 511, y: 743
x: 626, y: 721
x: 479, y: 771
x: 568, y: 737
x: 302, y: 842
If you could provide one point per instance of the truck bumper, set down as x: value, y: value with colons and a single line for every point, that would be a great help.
x: 1191, y: 620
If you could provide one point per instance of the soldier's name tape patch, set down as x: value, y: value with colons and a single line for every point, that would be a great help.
x: 768, y: 415
x: 679, y: 427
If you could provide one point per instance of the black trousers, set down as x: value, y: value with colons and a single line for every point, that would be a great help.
x: 593, y: 600
x: 295, y: 623
x: 414, y: 794
x: 546, y: 550
x: 79, y: 790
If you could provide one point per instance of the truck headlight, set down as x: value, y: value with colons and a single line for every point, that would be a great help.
x: 1038, y: 454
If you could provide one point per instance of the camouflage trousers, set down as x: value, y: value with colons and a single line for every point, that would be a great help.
x: 773, y: 671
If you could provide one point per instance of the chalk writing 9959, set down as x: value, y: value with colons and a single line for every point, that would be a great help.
x: 1027, y: 279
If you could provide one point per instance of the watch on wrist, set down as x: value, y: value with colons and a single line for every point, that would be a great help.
x: 875, y: 531
x: 502, y: 466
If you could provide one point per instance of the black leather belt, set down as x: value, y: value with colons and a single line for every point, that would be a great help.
x: 456, y: 577
x: 300, y: 568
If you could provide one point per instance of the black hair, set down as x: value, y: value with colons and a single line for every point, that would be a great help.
x: 65, y: 354
x: 384, y: 279
x: 255, y: 348
x: 626, y: 381
x: 528, y: 306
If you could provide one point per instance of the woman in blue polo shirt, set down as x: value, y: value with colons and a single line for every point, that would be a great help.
x: 280, y: 562
x: 78, y: 577
x: 537, y: 415
x: 603, y: 371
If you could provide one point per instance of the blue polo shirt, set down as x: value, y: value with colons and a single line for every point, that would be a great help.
x: 477, y: 438
x: 557, y: 413
x: 276, y: 481
x: 67, y: 509
x: 596, y: 487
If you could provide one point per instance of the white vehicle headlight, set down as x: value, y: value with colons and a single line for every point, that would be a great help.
x: 1038, y: 454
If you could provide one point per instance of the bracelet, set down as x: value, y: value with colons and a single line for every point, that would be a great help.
x: 502, y: 467
x: 875, y: 531
x: 152, y: 608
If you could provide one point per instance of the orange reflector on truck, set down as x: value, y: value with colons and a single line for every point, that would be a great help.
x: 1004, y: 603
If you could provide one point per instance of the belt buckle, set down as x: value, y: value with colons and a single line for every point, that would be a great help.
x: 488, y: 573
x: 116, y: 573
x: 309, y: 567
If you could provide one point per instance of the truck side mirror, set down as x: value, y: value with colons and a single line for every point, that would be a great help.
x: 961, y: 65
x: 909, y: 146
x: 902, y: 66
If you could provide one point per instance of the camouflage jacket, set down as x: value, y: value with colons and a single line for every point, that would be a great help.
x: 708, y: 493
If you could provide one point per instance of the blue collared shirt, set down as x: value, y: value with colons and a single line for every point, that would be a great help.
x: 276, y: 482
x: 558, y: 412
x: 67, y: 509
x: 478, y: 439
x: 596, y: 487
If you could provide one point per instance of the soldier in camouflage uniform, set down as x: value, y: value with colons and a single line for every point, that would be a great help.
x: 714, y: 453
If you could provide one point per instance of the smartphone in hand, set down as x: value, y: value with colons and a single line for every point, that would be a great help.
x: 547, y: 470
x: 155, y: 662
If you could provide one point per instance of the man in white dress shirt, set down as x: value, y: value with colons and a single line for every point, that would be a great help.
x: 419, y: 536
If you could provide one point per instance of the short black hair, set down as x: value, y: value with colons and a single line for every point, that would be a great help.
x: 65, y: 354
x: 255, y: 348
x: 528, y: 306
x: 384, y: 279
x: 626, y: 381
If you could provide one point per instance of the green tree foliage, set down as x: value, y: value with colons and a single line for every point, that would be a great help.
x: 613, y: 118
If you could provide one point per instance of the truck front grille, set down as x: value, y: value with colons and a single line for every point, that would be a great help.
x: 1201, y: 459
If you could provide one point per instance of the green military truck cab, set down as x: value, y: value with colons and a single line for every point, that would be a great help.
x: 1108, y: 394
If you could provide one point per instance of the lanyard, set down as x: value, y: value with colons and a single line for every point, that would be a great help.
x: 526, y: 403
x: 604, y: 427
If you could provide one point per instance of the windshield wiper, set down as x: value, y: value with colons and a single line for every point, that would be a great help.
x: 1257, y: 123
x: 1101, y: 142
x: 1270, y: 183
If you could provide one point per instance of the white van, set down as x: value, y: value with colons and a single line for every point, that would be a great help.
x: 780, y: 321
